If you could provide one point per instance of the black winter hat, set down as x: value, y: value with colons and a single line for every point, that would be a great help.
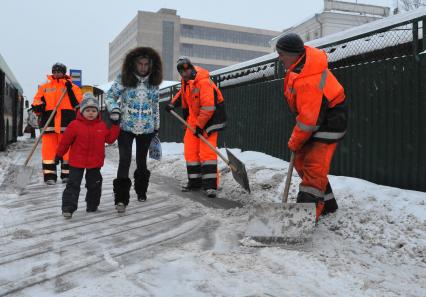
x: 291, y: 43
x: 59, y: 67
x: 183, y: 63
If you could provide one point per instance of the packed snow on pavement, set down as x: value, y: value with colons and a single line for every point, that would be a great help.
x: 374, y: 245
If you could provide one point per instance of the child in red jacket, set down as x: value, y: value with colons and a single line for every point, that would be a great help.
x: 86, y: 136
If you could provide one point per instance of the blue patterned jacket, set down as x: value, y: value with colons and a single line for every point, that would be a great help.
x: 139, y: 107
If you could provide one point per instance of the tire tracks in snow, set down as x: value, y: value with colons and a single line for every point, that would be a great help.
x: 147, y: 241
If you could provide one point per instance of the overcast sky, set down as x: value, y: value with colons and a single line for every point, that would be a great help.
x: 34, y: 34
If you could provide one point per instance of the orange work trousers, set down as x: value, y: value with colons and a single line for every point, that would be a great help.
x: 312, y: 163
x: 201, y: 160
x: 49, y: 146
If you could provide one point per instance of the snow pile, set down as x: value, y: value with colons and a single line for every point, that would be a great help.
x: 266, y: 174
x: 376, y: 230
x: 375, y: 245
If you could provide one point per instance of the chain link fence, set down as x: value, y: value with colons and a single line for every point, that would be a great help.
x: 389, y: 43
x: 392, y: 39
x: 263, y: 71
x: 395, y: 40
x: 386, y: 100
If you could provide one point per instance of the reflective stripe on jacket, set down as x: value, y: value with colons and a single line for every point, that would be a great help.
x: 200, y: 99
x: 48, y: 95
x: 318, y: 99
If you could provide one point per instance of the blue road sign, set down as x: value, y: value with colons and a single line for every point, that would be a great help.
x: 76, y: 77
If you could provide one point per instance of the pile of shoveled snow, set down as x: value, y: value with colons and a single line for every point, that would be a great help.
x: 374, y: 245
x: 375, y: 225
x: 266, y: 174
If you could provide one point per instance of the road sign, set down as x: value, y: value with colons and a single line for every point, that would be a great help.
x: 76, y: 76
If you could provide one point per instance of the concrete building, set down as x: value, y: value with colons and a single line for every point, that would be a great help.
x: 210, y: 45
x: 337, y: 16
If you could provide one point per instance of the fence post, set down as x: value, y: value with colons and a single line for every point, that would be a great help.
x: 424, y: 34
x: 172, y: 88
x: 415, y: 38
x: 276, y: 68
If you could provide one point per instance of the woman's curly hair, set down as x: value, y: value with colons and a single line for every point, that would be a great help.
x: 128, y: 78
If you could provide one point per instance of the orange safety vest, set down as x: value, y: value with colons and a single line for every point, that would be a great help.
x: 202, y: 102
x: 48, y: 94
x: 318, y: 99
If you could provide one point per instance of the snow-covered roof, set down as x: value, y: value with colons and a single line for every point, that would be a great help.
x: 350, y: 46
x: 336, y: 38
x: 244, y: 64
x: 346, y: 9
x: 366, y: 28
x: 369, y: 27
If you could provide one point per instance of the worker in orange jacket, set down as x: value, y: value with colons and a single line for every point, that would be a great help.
x: 203, y: 109
x: 45, y: 100
x: 318, y: 99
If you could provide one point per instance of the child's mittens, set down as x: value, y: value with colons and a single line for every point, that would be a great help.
x: 115, y: 116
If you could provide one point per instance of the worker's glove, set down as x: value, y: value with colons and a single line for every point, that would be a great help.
x: 68, y: 84
x: 198, y: 131
x: 185, y: 113
x: 293, y: 146
x: 58, y: 160
x: 169, y: 107
x: 39, y: 108
x: 115, y: 117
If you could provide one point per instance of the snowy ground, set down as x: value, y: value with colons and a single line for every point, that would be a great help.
x: 173, y: 245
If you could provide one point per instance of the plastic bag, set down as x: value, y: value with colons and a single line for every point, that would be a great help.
x: 155, y: 151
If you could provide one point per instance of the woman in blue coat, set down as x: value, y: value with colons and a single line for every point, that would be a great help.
x: 133, y: 99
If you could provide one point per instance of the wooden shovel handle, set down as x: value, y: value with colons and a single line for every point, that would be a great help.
x: 288, y: 179
x: 203, y: 139
x: 44, y: 128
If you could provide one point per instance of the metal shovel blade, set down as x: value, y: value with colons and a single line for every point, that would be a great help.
x: 281, y: 223
x: 23, y: 176
x: 238, y: 171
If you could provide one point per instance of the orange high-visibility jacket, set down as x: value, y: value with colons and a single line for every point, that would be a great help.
x: 46, y: 99
x: 318, y: 99
x: 197, y: 98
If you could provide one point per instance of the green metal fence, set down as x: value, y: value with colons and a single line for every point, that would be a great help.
x: 386, y: 92
x: 387, y: 126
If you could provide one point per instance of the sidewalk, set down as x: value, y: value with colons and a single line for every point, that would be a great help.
x: 39, y: 247
x: 182, y: 244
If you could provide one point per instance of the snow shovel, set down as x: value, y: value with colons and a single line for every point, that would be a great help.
x: 237, y: 167
x: 25, y: 172
x: 282, y: 223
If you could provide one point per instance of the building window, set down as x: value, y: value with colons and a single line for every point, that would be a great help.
x: 218, y: 53
x: 187, y: 27
x: 168, y: 42
x: 307, y: 36
x: 223, y: 35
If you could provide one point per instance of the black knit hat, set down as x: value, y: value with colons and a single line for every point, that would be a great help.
x: 183, y: 63
x: 59, y: 67
x: 291, y: 43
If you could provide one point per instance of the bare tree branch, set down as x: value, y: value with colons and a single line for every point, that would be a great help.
x: 407, y: 5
